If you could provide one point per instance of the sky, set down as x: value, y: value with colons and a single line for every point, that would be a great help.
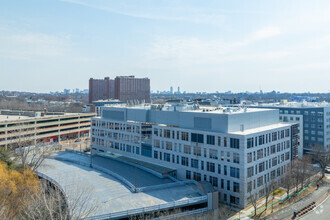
x: 205, y: 46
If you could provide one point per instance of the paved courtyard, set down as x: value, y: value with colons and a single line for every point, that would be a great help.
x: 109, y: 194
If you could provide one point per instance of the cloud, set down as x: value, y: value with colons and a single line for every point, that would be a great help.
x: 193, y: 50
x: 265, y: 33
x: 26, y: 45
x: 168, y: 14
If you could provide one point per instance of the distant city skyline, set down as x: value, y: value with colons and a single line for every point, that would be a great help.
x: 198, y: 45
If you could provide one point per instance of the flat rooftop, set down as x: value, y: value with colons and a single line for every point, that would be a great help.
x: 14, y: 117
x: 303, y: 104
x: 188, y: 108
x: 109, y: 194
x: 262, y: 129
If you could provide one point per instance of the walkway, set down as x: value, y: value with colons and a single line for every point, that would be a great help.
x: 287, y: 213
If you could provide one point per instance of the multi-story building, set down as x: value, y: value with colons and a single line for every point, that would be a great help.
x: 129, y: 88
x: 313, y: 119
x: 28, y: 128
x: 124, y: 88
x: 237, y: 150
x: 101, y: 89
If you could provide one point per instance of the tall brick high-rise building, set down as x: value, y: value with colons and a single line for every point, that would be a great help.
x: 124, y: 88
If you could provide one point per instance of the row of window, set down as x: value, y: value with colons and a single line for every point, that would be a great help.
x: 197, y: 164
x: 268, y: 164
x: 117, y: 126
x: 267, y: 138
x: 253, y: 184
x: 197, y: 151
x: 265, y: 152
x: 196, y: 137
x: 230, y: 186
x: 298, y: 112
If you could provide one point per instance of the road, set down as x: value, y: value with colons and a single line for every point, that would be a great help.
x: 287, y: 212
x: 322, y: 212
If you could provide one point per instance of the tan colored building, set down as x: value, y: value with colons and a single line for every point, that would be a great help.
x: 33, y: 127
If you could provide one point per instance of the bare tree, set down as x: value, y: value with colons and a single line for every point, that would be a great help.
x: 321, y: 155
x: 253, y: 199
x: 51, y: 203
x: 30, y: 156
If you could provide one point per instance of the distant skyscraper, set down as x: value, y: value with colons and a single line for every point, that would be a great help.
x: 124, y: 88
x: 171, y: 89
x: 178, y: 89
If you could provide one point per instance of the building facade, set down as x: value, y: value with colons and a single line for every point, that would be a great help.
x: 313, y: 119
x: 101, y: 89
x: 237, y: 151
x: 124, y: 88
x: 30, y: 128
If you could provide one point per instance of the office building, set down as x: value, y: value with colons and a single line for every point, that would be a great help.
x: 237, y: 150
x: 29, y: 128
x: 313, y: 119
x: 124, y: 88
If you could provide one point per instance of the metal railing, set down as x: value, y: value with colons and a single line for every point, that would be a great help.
x: 148, y: 209
x: 164, y: 186
x: 181, y: 214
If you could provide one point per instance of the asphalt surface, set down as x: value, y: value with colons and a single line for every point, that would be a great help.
x: 287, y: 212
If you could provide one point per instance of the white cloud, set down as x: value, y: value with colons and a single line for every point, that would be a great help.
x: 167, y: 14
x: 265, y: 33
x: 190, y: 51
x: 26, y: 45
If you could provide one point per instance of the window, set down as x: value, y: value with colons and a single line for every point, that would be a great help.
x: 219, y: 169
x: 261, y: 139
x: 236, y: 187
x: 156, y: 154
x: 228, y: 156
x: 219, y: 141
x: 197, y: 176
x: 188, y: 174
x: 249, y: 186
x: 194, y: 163
x: 236, y: 158
x: 234, y: 143
x: 234, y: 172
x: 199, y: 138
x: 234, y: 200
x: 249, y: 143
x: 225, y: 170
x: 197, y: 151
x: 261, y: 167
x: 167, y: 133
x: 222, y: 183
x: 168, y: 145
x: 202, y: 165
x: 250, y: 171
x: 167, y: 157
x: 213, y: 154
x: 260, y: 181
x: 184, y: 161
x: 186, y: 149
x: 155, y: 130
x: 210, y: 167
x: 249, y: 157
x: 210, y: 139
x: 213, y: 181
x: 228, y: 185
x: 184, y: 136
x: 225, y: 142
x: 157, y: 143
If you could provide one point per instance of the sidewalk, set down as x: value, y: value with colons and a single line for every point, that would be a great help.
x: 287, y: 213
x: 250, y: 209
